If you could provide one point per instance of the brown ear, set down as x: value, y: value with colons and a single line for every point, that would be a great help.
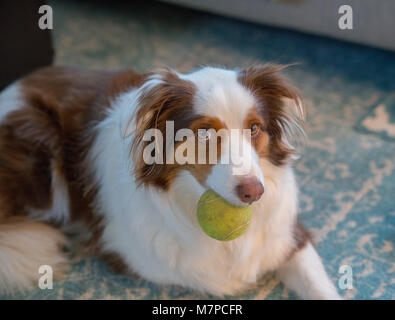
x: 164, y: 97
x: 281, y: 106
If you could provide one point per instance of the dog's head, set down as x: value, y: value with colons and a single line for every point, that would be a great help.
x: 217, y: 124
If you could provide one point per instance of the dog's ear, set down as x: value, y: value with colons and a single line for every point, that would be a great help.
x: 164, y: 97
x: 281, y: 106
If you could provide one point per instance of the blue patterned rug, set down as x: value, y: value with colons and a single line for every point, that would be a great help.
x: 346, y: 177
x: 380, y: 120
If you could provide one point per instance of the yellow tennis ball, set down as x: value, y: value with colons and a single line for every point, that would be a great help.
x: 221, y: 220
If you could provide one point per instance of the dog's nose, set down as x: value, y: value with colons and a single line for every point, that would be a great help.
x: 250, y: 190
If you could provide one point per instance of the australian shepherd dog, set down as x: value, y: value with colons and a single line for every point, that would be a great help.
x: 73, y: 153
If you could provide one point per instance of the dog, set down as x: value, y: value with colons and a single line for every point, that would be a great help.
x: 72, y: 151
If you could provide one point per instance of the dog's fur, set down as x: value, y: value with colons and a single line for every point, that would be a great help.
x: 71, y: 152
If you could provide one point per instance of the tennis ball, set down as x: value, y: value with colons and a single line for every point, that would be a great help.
x: 221, y: 220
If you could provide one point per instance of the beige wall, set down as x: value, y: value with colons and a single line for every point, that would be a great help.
x: 374, y: 20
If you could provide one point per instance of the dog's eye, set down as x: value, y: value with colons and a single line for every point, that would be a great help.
x: 255, y: 128
x: 203, y: 135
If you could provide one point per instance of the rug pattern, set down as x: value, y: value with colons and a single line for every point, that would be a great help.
x: 380, y: 120
x: 346, y: 176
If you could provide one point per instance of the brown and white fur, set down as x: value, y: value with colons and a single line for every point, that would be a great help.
x: 70, y: 152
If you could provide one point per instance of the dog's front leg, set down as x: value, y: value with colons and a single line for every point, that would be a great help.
x: 304, y: 273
